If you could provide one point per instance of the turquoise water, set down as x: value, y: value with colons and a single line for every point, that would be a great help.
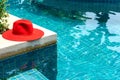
x: 32, y: 74
x: 88, y: 47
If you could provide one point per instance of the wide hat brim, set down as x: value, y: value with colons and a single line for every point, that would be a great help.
x: 37, y: 34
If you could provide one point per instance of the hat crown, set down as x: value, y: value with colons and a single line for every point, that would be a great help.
x: 22, y: 27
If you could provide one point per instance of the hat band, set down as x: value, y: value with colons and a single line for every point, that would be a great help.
x: 21, y: 33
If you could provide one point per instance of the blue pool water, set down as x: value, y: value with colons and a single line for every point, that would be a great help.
x: 32, y: 74
x: 88, y: 46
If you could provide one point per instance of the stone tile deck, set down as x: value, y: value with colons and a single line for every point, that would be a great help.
x: 11, y: 48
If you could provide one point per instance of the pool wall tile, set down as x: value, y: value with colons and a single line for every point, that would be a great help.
x: 44, y: 60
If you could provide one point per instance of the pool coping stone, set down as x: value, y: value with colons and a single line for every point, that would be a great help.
x: 11, y: 48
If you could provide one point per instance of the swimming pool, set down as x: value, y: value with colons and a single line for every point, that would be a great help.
x: 88, y: 40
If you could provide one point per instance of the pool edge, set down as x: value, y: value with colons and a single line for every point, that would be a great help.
x: 12, y: 48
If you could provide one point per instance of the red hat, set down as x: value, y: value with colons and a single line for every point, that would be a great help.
x: 23, y: 31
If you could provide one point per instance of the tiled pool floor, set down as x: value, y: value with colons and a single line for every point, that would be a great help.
x: 32, y: 74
